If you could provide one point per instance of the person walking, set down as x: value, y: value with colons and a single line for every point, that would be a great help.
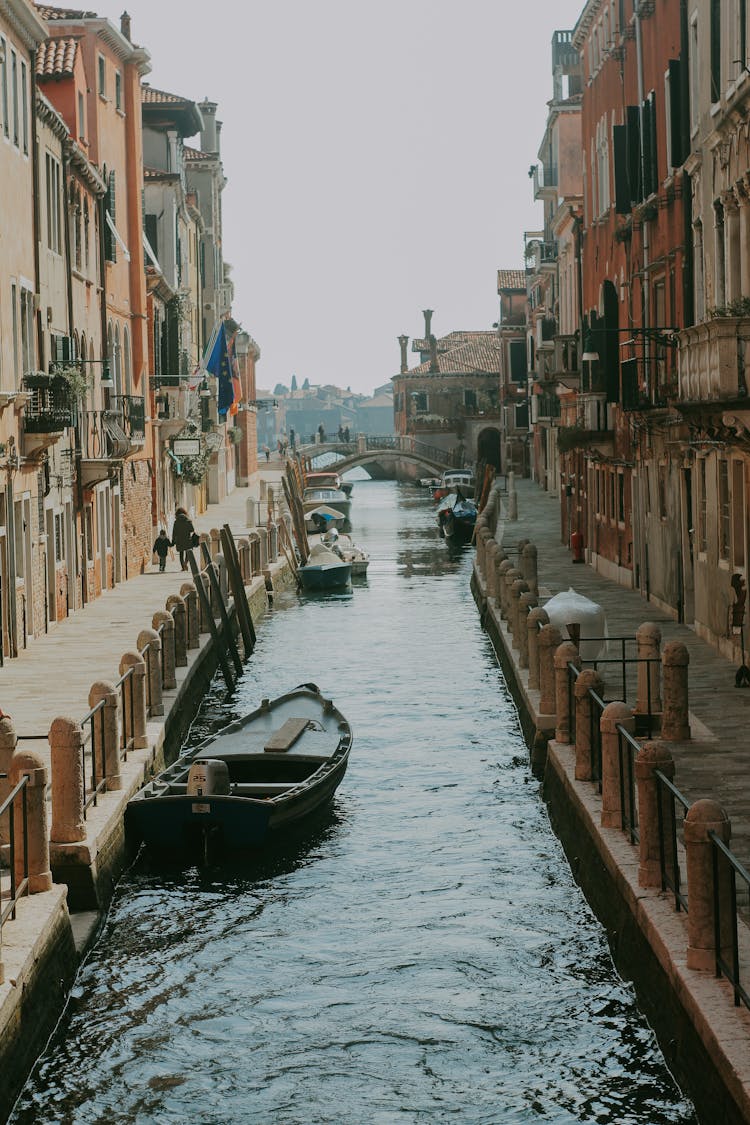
x: 161, y: 548
x: 183, y: 535
x: 292, y: 438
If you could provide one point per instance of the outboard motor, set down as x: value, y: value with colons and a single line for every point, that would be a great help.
x: 208, y: 777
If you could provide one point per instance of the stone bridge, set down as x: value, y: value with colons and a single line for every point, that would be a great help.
x: 383, y: 453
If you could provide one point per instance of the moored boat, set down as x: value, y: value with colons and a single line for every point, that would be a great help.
x: 457, y: 517
x: 328, y: 479
x: 453, y: 479
x: 324, y: 570
x: 257, y: 778
x: 324, y: 518
x: 346, y: 549
x: 330, y: 497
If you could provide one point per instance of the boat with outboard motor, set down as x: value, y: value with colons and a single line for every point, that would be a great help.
x: 328, y: 479
x: 324, y: 570
x: 453, y: 479
x: 347, y: 549
x: 255, y: 779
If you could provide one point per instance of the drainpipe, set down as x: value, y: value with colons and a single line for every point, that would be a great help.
x: 645, y: 227
x: 35, y: 202
x: 77, y: 561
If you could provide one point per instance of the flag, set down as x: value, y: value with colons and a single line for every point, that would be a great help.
x: 218, y: 365
x: 235, y: 374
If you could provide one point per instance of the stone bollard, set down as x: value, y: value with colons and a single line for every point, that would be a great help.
x: 254, y: 541
x: 502, y: 570
x: 105, y: 740
x: 510, y: 577
x: 675, y: 725
x: 176, y: 608
x: 8, y: 740
x: 526, y: 603
x: 534, y: 622
x: 528, y: 566
x: 189, y: 594
x: 273, y: 542
x: 24, y: 763
x: 565, y: 654
x: 221, y: 563
x: 512, y: 502
x: 549, y: 641
x: 586, y: 716
x: 702, y: 818
x: 251, y: 511
x: 134, y: 719
x: 204, y: 605
x: 517, y: 588
x: 614, y: 788
x: 164, y: 621
x: 215, y: 536
x: 482, y: 538
x: 246, y: 566
x: 490, y: 569
x: 149, y: 643
x: 652, y: 756
x: 263, y: 537
x: 648, y: 641
x: 500, y: 558
x: 66, y: 767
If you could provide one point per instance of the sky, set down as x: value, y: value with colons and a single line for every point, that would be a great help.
x: 377, y: 157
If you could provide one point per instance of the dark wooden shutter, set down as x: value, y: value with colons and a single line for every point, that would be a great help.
x: 151, y: 226
x: 653, y: 153
x: 675, y: 113
x: 633, y: 127
x: 715, y: 48
x: 110, y: 243
x: 648, y: 166
x: 630, y: 389
x: 622, y: 183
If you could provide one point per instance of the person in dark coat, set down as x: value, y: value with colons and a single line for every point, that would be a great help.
x: 182, y: 535
x: 161, y: 548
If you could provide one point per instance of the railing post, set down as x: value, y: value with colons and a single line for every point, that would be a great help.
x: 526, y: 603
x: 254, y: 540
x: 502, y: 570
x: 263, y: 537
x: 675, y: 725
x: 246, y: 566
x: 517, y: 589
x: 614, y: 714
x: 150, y: 639
x: 204, y: 604
x: 534, y: 622
x: 648, y: 641
x: 189, y: 595
x: 589, y: 680
x: 37, y: 833
x: 135, y: 697
x: 565, y: 654
x: 652, y: 756
x: 215, y: 545
x: 703, y: 817
x: 176, y: 607
x: 8, y: 740
x: 529, y: 567
x: 164, y: 621
x: 105, y: 740
x: 66, y: 767
x: 508, y: 580
x: 550, y: 640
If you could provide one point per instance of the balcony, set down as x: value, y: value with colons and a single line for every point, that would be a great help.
x: 544, y: 177
x: 48, y: 411
x: 714, y: 361
x: 545, y: 406
x: 105, y: 438
x: 172, y: 400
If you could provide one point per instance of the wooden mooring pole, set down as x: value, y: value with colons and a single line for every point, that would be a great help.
x: 226, y: 671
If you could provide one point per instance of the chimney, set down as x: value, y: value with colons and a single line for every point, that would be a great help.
x: 404, y: 342
x: 125, y: 26
x: 433, y: 355
x: 427, y: 314
x: 209, y: 141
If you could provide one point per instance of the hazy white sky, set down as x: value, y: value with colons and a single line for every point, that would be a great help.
x: 377, y: 158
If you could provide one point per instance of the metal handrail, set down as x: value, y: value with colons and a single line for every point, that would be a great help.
x: 628, y: 749
x: 669, y: 795
x: 731, y: 970
x: 18, y: 887
x: 98, y: 779
x: 127, y: 710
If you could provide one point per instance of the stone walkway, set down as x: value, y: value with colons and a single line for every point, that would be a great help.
x: 716, y: 761
x: 54, y: 674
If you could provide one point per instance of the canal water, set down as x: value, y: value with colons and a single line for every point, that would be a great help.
x: 424, y: 955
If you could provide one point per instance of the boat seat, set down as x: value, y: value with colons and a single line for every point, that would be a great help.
x: 259, y: 788
x: 286, y: 736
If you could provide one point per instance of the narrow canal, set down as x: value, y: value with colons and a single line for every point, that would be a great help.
x: 423, y: 956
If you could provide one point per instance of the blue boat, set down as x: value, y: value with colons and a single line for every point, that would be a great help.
x: 324, y: 570
x: 256, y: 779
x: 457, y: 517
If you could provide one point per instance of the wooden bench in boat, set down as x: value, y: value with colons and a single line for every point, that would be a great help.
x: 237, y: 789
x: 286, y: 736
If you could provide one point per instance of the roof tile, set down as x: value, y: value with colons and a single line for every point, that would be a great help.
x: 511, y: 279
x: 47, y: 12
x: 56, y: 58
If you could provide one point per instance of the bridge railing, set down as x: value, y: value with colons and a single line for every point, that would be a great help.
x: 446, y: 458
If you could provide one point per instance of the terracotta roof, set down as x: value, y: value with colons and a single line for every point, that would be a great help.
x: 452, y: 340
x: 196, y: 154
x: 159, y: 174
x: 49, y: 13
x: 511, y: 279
x: 161, y: 97
x: 479, y: 355
x: 55, y: 58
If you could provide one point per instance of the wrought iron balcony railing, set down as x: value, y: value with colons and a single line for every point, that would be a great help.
x: 50, y: 406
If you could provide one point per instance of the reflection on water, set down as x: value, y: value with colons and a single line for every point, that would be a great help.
x: 422, y: 954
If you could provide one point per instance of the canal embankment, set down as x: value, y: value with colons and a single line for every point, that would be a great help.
x: 125, y: 677
x: 637, y: 850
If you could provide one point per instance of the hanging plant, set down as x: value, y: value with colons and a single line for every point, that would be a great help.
x: 192, y: 469
x: 76, y: 380
x: 235, y: 435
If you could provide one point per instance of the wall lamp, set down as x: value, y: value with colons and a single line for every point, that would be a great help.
x: 667, y: 337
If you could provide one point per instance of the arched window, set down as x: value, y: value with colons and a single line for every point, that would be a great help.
x: 127, y: 371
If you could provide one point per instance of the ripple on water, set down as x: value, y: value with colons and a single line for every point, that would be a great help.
x: 424, y: 955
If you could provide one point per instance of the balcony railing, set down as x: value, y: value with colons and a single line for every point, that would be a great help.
x: 50, y: 405
x: 110, y: 435
x: 131, y: 411
x: 714, y: 360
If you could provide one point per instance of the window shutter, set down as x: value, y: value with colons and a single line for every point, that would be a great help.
x: 110, y: 243
x: 633, y: 127
x: 622, y: 183
x: 675, y: 113
x: 652, y: 179
x: 151, y: 227
x: 630, y: 389
x: 648, y: 169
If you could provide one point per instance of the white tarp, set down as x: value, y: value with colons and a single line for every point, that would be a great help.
x: 570, y: 608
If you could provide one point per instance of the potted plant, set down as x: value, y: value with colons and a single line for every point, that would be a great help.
x: 74, y: 378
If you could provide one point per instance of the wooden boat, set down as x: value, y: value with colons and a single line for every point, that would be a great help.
x: 457, y: 517
x: 324, y: 518
x: 328, y: 479
x: 324, y: 570
x: 255, y: 779
x: 330, y: 497
x: 452, y: 479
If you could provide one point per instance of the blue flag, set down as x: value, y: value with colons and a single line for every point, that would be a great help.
x: 217, y: 364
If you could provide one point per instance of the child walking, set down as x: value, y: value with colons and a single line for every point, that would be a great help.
x: 161, y: 548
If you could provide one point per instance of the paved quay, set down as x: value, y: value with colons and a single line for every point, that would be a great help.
x: 715, y: 762
x: 54, y: 674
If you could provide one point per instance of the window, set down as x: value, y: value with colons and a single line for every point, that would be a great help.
x: 118, y: 90
x: 693, y: 61
x: 420, y: 402
x: 715, y: 45
x: 88, y: 521
x: 14, y: 320
x: 14, y: 93
x: 647, y: 486
x: 702, y: 506
x: 59, y: 538
x: 25, y: 107
x: 725, y: 514
x: 470, y: 399
x: 738, y: 514
x: 81, y: 117
x: 54, y: 226
x: 27, y: 331
x: 517, y: 355
x: 86, y: 233
x: 621, y: 498
x: 602, y: 166
x: 4, y: 85
x: 102, y: 75
x: 110, y: 206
